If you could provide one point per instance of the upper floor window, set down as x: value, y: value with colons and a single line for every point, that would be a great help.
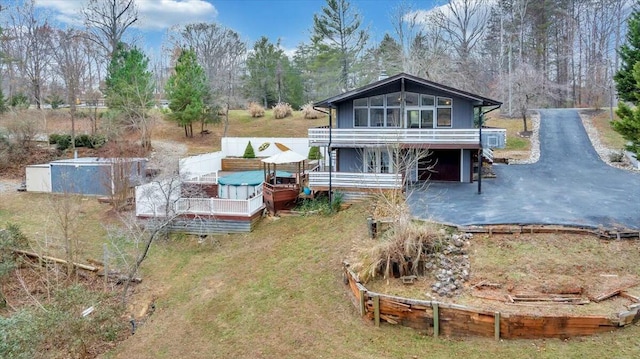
x: 443, y: 112
x: 385, y: 111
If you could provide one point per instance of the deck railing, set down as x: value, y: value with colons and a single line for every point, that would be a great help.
x: 387, y: 136
x: 219, y: 206
x: 356, y: 180
x: 208, y: 178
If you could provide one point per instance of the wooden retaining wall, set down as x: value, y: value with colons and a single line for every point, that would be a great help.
x: 448, y: 319
x: 605, y: 233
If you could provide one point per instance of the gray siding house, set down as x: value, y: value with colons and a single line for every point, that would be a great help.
x: 399, y: 117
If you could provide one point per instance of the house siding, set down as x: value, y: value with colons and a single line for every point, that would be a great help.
x: 350, y: 160
x: 462, y: 109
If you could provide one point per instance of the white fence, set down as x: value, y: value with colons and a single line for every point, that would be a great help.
x: 199, y: 165
x: 356, y: 180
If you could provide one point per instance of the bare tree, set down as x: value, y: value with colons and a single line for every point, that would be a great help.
x: 107, y: 21
x: 30, y: 46
x: 464, y: 23
x: 71, y: 64
x: 66, y: 208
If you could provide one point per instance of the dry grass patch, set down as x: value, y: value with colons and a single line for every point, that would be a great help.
x: 608, y: 137
x: 255, y: 110
x: 282, y: 110
x: 540, y: 263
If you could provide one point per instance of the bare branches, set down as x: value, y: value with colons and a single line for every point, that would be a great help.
x: 107, y: 21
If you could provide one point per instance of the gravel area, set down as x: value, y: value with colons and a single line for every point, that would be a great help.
x: 534, y: 155
x: 8, y: 185
x: 604, y: 152
x: 166, y: 154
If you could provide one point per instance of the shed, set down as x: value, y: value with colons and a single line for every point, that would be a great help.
x: 38, y: 178
x: 86, y: 175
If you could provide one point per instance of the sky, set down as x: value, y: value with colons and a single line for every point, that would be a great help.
x: 291, y: 21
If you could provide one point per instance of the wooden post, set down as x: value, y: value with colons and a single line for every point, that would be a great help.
x: 497, y: 325
x: 436, y: 320
x: 376, y: 310
x: 362, y: 306
x: 105, y: 260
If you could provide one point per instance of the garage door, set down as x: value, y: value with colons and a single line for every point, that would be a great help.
x: 445, y: 166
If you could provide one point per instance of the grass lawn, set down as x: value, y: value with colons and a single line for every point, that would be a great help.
x: 241, y: 124
x: 278, y: 293
x: 601, y: 120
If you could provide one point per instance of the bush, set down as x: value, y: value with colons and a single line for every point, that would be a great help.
x: 19, y: 101
x: 314, y: 153
x: 309, y: 112
x: 248, y: 152
x: 255, y: 110
x: 63, y: 141
x: 282, y: 110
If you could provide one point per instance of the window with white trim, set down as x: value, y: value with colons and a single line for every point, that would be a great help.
x: 443, y: 111
x: 377, y: 160
x: 421, y: 111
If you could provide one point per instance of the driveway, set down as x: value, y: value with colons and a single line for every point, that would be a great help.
x: 569, y: 185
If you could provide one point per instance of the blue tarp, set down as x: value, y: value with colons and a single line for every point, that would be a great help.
x: 248, y: 178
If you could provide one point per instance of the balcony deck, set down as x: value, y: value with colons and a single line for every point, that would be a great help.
x: 355, y: 137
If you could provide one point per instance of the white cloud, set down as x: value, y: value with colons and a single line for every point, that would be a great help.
x: 153, y: 14
x: 162, y: 14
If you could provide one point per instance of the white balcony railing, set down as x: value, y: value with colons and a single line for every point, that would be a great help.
x: 356, y: 180
x: 385, y: 136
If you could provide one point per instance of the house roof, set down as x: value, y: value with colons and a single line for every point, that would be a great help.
x: 285, y: 157
x: 484, y: 101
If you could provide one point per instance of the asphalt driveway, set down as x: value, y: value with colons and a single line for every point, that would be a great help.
x: 569, y: 185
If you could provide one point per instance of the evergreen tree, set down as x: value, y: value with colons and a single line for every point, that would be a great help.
x: 129, y: 89
x: 629, y: 123
x: 249, y: 152
x: 626, y: 83
x: 189, y: 94
x: 336, y: 30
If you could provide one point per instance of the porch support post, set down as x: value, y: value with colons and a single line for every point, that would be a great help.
x: 480, y: 154
x: 330, y: 161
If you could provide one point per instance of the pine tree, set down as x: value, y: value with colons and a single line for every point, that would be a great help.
x: 629, y: 123
x: 129, y: 89
x: 188, y: 94
x: 248, y: 151
x: 337, y: 31
x: 626, y: 84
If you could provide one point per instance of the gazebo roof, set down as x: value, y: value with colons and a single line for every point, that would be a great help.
x: 285, y: 157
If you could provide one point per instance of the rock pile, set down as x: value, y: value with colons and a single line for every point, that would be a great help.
x: 450, y: 265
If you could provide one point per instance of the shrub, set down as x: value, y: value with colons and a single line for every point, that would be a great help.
x: 255, y: 110
x: 20, y: 101
x: 282, y: 110
x: 309, y: 112
x: 63, y: 142
x: 248, y: 152
x: 314, y: 153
